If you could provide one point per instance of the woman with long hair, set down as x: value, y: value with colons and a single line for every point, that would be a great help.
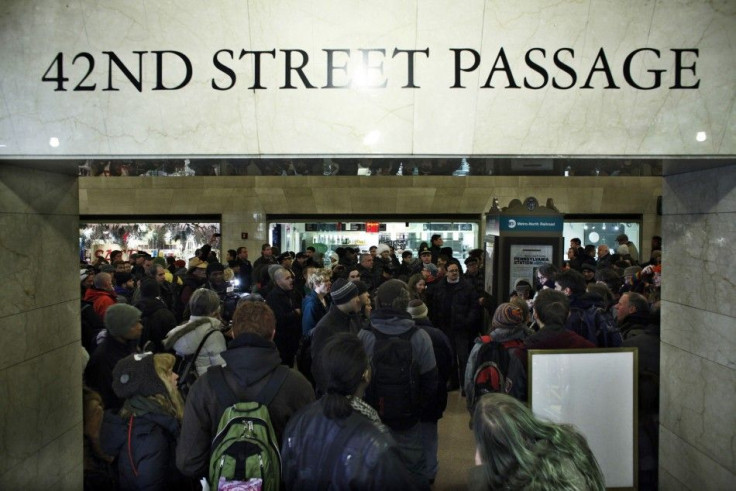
x: 515, y: 450
x: 143, y: 434
x: 361, y: 454
x: 418, y: 287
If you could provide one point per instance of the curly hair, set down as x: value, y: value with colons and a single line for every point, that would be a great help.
x: 318, y: 277
x: 519, y: 451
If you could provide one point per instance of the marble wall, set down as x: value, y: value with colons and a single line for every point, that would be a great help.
x: 489, y: 77
x: 698, y: 391
x: 40, y: 351
x: 244, y: 201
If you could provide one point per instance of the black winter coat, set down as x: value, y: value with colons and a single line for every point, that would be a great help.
x: 147, y: 461
x: 454, y: 307
x: 157, y: 321
x: 368, y: 460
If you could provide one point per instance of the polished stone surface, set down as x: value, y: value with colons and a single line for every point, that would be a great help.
x: 448, y: 113
x: 698, y: 382
x: 40, y: 352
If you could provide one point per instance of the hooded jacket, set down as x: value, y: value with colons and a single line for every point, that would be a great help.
x: 250, y: 359
x: 100, y: 299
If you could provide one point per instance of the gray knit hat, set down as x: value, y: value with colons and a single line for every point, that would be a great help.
x: 343, y: 291
x: 417, y: 309
x: 393, y: 294
x: 120, y: 318
x: 135, y: 375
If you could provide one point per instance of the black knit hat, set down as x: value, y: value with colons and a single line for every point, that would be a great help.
x: 135, y: 375
x: 393, y: 294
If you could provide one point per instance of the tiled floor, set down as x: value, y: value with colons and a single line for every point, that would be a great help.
x: 456, y: 446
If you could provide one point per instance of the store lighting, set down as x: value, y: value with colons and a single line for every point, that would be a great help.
x: 54, y: 142
x: 701, y: 136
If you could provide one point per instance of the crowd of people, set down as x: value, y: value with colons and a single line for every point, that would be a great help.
x: 352, y: 356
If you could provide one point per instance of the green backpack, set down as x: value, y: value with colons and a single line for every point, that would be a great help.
x: 245, y: 445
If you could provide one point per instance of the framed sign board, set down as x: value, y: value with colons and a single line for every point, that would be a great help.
x: 594, y: 390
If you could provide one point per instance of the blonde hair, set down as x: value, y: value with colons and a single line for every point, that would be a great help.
x: 172, y: 402
x: 318, y: 277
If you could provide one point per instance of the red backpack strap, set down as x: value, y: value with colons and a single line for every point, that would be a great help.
x: 485, y: 339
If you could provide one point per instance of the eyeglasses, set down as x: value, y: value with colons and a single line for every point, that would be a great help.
x: 453, y: 270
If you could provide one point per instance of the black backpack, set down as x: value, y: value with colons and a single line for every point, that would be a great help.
x: 394, y: 387
x: 596, y: 325
x: 491, y: 369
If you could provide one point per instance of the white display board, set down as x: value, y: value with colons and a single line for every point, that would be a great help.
x: 595, y: 391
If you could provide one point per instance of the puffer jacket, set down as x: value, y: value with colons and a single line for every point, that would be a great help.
x: 147, y: 460
x: 187, y: 344
x: 368, y: 459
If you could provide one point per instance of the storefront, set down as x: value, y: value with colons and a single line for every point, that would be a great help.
x: 326, y: 235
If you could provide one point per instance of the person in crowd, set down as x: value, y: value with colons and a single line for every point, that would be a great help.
x: 86, y: 279
x: 342, y: 317
x: 288, y: 315
x: 406, y: 268
x: 435, y: 408
x: 144, y: 432
x: 362, y: 454
x: 454, y: 308
x: 156, y: 318
x: 195, y: 278
x: 588, y: 272
x: 474, y: 275
x: 252, y: 359
x: 267, y: 258
x: 605, y: 258
x: 647, y: 340
x: 517, y: 451
x: 417, y: 287
x: 436, y: 248
x: 632, y: 251
x: 204, y: 306
x: 551, y: 309
x: 365, y: 267
x: 102, y: 294
x: 123, y: 325
x: 632, y: 314
x: 124, y: 287
x: 610, y: 278
x: 391, y: 319
x: 297, y: 267
x: 353, y: 274
x: 245, y: 269
x: 315, y: 305
x: 573, y: 285
x: 508, y: 327
x: 546, y: 274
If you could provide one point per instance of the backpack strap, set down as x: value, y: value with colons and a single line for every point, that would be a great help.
x: 227, y: 397
x: 193, y: 358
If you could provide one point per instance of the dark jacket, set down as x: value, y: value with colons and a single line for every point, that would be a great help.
x: 147, y: 462
x: 634, y: 324
x: 312, y: 311
x: 369, y: 458
x: 98, y: 372
x: 333, y: 322
x: 250, y: 358
x: 454, y: 307
x: 288, y: 323
x: 443, y: 356
x: 553, y: 337
x: 393, y: 323
x: 157, y: 320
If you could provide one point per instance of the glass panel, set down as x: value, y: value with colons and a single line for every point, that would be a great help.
x: 325, y: 237
x: 158, y: 239
x: 597, y: 232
